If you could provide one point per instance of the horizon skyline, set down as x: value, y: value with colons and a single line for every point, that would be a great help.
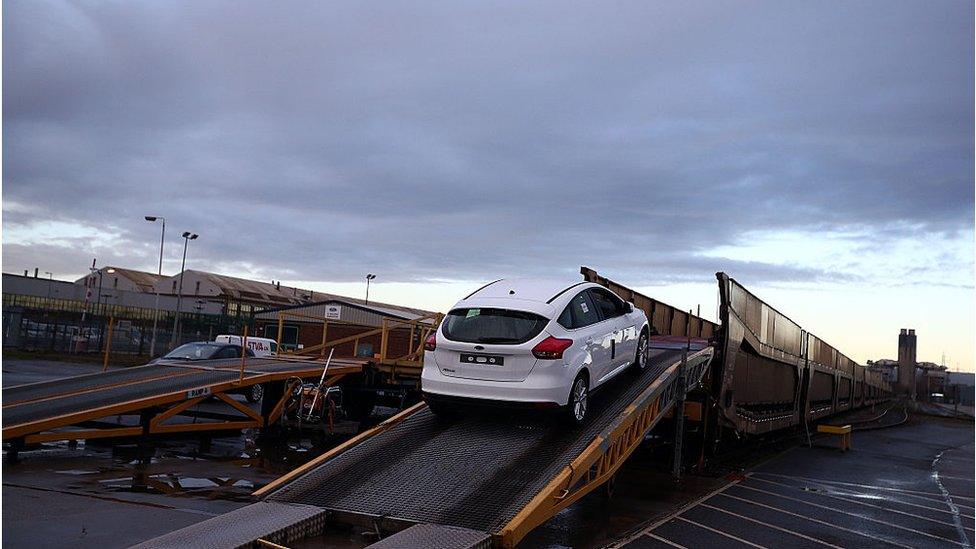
x: 400, y: 294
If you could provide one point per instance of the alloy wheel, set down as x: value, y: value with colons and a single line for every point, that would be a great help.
x: 580, y: 393
x: 642, y: 352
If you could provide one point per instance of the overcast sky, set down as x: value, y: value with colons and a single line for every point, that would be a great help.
x: 821, y: 153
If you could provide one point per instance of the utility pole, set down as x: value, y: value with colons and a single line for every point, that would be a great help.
x: 162, y: 241
x: 187, y: 237
x: 369, y: 276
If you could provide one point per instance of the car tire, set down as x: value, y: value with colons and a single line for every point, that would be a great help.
x: 578, y: 404
x: 442, y: 410
x: 642, y: 356
x: 254, y: 393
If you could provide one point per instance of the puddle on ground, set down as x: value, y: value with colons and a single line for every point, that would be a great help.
x: 227, y: 468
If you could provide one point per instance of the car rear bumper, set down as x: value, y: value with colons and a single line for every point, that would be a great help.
x: 546, y: 387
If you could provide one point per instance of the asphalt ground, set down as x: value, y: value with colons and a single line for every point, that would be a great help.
x: 905, y: 486
x: 106, y: 494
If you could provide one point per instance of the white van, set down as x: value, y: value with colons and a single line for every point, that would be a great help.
x: 261, y: 346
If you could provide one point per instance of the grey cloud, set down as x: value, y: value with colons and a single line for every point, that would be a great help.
x: 456, y: 141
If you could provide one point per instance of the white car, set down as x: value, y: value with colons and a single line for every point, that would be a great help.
x: 536, y: 343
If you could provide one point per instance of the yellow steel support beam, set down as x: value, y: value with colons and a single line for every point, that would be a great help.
x: 87, y: 434
x: 241, y: 408
x: 597, y: 463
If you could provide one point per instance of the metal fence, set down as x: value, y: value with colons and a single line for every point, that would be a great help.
x: 67, y: 331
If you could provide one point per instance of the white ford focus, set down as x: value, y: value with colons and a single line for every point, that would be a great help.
x: 536, y: 343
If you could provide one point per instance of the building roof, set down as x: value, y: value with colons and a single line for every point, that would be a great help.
x: 145, y: 281
x: 289, y: 296
x: 318, y: 309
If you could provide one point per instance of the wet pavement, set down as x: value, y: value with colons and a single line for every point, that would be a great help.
x: 115, y: 494
x: 906, y: 486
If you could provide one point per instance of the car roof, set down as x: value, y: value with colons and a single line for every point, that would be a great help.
x: 529, y: 289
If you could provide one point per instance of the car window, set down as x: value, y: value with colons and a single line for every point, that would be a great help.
x: 608, y: 304
x: 500, y: 326
x: 194, y: 351
x: 228, y: 352
x: 579, y: 313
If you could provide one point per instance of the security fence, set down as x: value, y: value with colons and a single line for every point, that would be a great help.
x: 68, y: 326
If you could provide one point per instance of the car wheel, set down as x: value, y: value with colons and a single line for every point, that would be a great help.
x: 254, y: 393
x: 579, y: 400
x: 641, y: 358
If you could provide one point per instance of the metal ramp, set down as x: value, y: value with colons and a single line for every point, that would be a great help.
x: 485, y: 473
x: 66, y: 409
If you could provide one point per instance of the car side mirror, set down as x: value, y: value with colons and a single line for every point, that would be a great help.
x: 630, y: 307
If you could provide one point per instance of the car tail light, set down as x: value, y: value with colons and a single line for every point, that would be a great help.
x: 551, y: 348
x: 431, y: 343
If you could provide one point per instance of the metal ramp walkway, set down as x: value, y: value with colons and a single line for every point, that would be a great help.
x: 89, y: 406
x: 487, y: 473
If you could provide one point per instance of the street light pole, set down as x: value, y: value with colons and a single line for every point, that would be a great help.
x: 187, y: 237
x: 162, y: 241
x: 50, y: 279
x: 369, y: 276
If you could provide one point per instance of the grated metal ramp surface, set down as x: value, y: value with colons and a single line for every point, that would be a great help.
x: 47, y: 389
x: 279, y: 523
x: 34, y: 402
x: 435, y: 536
x: 72, y: 403
x: 476, y: 472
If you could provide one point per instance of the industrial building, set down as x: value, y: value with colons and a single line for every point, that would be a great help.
x: 340, y: 317
x: 47, y: 314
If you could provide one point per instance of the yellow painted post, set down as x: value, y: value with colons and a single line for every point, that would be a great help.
x: 108, y: 342
x: 325, y: 331
x: 243, y: 353
x: 281, y: 329
x: 384, y: 338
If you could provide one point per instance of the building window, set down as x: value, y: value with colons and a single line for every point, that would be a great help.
x: 115, y: 282
x: 174, y: 286
x: 197, y: 290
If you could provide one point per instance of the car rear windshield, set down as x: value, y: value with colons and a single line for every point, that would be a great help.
x: 498, y: 326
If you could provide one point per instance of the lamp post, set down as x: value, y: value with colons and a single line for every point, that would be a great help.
x: 98, y: 305
x: 162, y: 240
x: 187, y: 237
x: 50, y: 279
x: 369, y: 276
x: 98, y: 299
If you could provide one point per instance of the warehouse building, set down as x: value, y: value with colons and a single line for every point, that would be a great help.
x: 338, y: 318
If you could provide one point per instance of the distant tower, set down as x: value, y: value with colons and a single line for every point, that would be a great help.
x: 906, y: 361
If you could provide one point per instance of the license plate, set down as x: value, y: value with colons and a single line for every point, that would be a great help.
x: 487, y: 360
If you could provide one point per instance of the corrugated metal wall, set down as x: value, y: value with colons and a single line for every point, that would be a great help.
x: 668, y: 320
